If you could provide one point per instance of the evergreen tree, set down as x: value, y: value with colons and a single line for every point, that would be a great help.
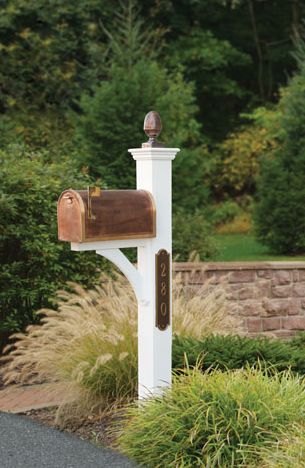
x: 111, y: 120
x: 280, y: 212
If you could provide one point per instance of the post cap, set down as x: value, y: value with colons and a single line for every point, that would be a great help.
x: 152, y: 128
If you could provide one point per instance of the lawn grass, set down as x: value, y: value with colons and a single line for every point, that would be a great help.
x: 245, y: 247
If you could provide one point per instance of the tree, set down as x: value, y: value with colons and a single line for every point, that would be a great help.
x: 49, y: 51
x: 280, y: 212
x: 111, y: 118
x: 208, y: 62
x: 53, y: 50
x: 258, y: 36
x: 112, y: 121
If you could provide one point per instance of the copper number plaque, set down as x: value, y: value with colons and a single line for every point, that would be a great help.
x: 162, y: 289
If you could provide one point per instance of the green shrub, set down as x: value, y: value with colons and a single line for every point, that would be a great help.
x: 234, y: 352
x: 233, y: 165
x: 37, y: 131
x: 192, y: 232
x: 280, y: 211
x: 112, y: 113
x: 34, y: 264
x: 298, y: 341
x: 224, y: 212
x: 213, y: 419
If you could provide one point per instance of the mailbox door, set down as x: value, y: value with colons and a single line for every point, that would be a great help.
x: 71, y: 217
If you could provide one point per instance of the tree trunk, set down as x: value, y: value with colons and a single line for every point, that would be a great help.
x: 258, y: 49
x: 295, y: 25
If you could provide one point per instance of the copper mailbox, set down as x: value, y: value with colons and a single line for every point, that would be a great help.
x: 98, y: 215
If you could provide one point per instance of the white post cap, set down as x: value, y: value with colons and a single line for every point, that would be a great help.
x: 139, y: 154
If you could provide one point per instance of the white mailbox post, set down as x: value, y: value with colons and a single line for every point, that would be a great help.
x: 151, y: 280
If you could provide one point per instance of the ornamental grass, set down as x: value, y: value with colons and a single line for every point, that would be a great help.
x: 202, y: 312
x: 88, y: 345
x: 216, y: 419
x: 287, y: 452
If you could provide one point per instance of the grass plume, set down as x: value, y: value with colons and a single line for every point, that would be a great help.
x: 89, y: 343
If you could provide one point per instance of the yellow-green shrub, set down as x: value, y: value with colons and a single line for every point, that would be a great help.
x: 235, y: 163
x: 215, y: 419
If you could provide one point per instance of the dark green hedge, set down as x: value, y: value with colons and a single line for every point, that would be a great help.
x: 234, y: 352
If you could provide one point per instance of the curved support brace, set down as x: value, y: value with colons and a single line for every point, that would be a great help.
x: 127, y: 268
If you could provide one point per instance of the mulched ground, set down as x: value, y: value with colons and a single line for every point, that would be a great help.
x: 97, y: 430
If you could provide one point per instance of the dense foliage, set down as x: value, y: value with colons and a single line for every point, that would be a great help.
x: 280, y: 210
x: 192, y: 233
x: 112, y: 119
x: 58, y: 46
x: 216, y: 419
x: 230, y: 49
x: 234, y: 164
x: 78, y: 78
x: 234, y: 352
x: 179, y: 59
x: 33, y: 263
x: 286, y: 452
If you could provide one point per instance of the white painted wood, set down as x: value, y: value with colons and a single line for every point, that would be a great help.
x: 105, y: 245
x: 128, y: 269
x: 154, y: 173
x: 155, y: 154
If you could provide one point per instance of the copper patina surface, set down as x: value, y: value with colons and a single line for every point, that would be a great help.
x: 109, y: 214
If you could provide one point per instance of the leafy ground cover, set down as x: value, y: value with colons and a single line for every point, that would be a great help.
x: 234, y: 352
x: 245, y: 247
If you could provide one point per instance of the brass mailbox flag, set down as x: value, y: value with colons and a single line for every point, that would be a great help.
x: 162, y: 289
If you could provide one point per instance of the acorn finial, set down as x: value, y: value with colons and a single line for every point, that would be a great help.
x: 152, y: 128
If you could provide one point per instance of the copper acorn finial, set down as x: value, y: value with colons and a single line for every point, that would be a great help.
x: 152, y: 128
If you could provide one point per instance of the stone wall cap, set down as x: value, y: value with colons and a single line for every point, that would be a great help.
x: 233, y: 266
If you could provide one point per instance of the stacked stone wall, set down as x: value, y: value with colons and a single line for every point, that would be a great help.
x: 268, y: 297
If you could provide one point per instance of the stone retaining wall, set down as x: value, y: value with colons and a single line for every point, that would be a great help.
x: 268, y: 296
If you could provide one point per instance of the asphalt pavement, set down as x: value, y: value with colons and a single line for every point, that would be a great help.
x: 28, y: 444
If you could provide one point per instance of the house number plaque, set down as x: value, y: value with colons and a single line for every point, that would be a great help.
x: 162, y: 289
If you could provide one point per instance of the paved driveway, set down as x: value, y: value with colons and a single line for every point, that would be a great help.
x: 28, y: 444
